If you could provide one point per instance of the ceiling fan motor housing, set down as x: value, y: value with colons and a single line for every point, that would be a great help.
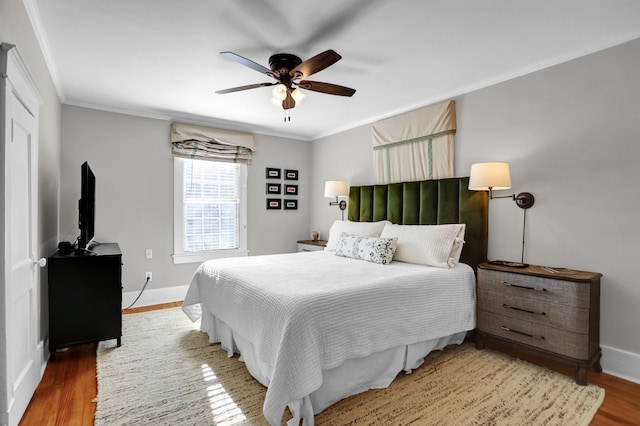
x: 283, y: 61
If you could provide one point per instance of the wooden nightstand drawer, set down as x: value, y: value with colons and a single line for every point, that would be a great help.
x: 536, y: 288
x: 548, y: 338
x: 549, y: 313
x: 544, y: 313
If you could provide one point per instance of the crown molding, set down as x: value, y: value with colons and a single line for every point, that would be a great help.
x: 38, y: 28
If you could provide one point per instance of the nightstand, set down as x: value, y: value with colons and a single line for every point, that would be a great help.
x: 310, y: 245
x: 554, y: 316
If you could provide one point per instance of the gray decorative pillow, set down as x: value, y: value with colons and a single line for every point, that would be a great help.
x: 371, y: 249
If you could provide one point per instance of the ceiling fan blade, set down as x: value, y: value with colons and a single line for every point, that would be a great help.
x: 331, y: 89
x: 315, y: 64
x: 240, y: 88
x: 247, y: 63
x: 288, y: 102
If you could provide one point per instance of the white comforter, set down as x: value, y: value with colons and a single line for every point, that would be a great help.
x: 308, y: 312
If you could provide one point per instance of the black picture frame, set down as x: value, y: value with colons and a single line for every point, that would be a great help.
x: 290, y: 174
x: 291, y: 189
x: 290, y: 204
x: 273, y: 188
x: 274, y: 204
x: 273, y: 173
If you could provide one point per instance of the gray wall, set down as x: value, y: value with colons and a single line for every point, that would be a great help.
x: 131, y: 158
x: 345, y: 156
x: 571, y: 135
x: 276, y: 231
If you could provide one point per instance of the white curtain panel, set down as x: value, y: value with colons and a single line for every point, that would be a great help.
x: 417, y: 145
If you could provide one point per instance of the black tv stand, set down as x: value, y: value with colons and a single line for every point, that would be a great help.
x: 84, y: 252
x: 85, y: 297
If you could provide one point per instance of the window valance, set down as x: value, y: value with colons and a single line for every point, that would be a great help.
x: 206, y: 143
x: 416, y: 145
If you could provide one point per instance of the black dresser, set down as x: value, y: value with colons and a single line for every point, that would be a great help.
x: 85, y: 297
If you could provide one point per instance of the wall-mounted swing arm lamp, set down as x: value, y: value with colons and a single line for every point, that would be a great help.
x: 495, y: 176
x: 336, y: 188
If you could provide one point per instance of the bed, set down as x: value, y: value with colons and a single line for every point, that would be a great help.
x: 317, y: 327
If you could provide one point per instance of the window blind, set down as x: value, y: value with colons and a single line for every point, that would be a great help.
x: 211, y: 205
x: 206, y: 143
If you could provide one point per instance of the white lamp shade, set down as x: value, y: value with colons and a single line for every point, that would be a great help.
x: 335, y: 188
x: 494, y: 175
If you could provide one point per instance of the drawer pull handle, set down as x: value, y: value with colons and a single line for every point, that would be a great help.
x: 523, y: 287
x: 504, y: 305
x: 533, y: 336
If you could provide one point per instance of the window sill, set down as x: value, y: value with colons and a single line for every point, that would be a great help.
x: 204, y: 256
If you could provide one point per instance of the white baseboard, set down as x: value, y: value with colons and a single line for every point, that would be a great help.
x: 620, y: 363
x: 155, y: 296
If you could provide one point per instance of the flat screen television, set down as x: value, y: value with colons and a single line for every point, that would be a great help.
x: 86, y: 207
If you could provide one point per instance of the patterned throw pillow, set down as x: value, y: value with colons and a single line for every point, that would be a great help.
x: 360, y: 229
x: 371, y: 249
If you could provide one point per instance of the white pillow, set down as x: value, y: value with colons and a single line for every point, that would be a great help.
x: 371, y: 249
x: 432, y: 245
x: 359, y: 229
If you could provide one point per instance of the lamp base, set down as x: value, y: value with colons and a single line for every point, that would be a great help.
x: 509, y: 264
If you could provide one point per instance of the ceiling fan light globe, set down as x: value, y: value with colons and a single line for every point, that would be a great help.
x: 297, y: 95
x: 276, y: 102
x: 279, y: 92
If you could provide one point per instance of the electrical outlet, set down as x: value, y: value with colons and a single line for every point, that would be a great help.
x: 148, y: 253
x: 148, y: 276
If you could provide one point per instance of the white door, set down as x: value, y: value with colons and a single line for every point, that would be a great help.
x: 21, y: 272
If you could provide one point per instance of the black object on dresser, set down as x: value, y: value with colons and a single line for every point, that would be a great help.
x: 85, y: 297
x: 549, y: 313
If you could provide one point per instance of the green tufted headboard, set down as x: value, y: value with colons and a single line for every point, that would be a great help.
x: 428, y: 202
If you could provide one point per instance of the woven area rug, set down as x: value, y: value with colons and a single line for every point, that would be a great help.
x: 166, y: 373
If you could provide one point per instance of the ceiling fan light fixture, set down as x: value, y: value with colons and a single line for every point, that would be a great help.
x: 276, y: 103
x: 279, y: 92
x: 287, y: 69
x: 297, y: 95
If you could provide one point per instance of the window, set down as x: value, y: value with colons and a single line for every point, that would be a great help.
x: 209, y: 210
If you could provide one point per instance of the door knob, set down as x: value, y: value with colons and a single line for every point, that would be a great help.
x: 42, y: 262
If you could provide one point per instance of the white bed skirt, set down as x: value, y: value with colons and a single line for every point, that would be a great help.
x: 354, y: 376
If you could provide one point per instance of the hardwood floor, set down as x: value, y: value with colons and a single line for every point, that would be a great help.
x: 65, y: 395
x: 67, y: 390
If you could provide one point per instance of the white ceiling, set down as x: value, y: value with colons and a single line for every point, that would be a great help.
x: 160, y: 58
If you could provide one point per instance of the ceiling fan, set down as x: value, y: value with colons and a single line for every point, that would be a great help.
x: 288, y: 70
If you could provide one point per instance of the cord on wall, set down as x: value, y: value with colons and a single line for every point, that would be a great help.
x: 143, y: 287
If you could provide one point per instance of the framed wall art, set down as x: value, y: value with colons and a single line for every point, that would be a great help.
x: 274, y: 204
x: 291, y: 204
x: 290, y: 174
x: 273, y: 173
x: 291, y: 189
x: 273, y: 188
